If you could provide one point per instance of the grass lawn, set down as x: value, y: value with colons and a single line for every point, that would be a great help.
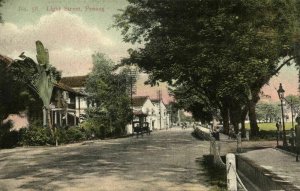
x: 270, y: 126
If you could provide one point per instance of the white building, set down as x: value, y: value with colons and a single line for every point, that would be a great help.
x: 143, y: 111
x: 161, y: 114
x: 152, y: 111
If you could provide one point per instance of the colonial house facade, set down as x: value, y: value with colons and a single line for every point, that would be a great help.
x: 77, y: 83
x: 63, y: 105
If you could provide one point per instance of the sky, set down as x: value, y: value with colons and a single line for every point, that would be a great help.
x: 73, y: 30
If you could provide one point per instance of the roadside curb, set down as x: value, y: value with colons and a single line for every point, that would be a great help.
x: 286, y: 152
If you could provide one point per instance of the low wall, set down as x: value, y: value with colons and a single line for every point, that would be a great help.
x: 257, y: 178
x: 202, y: 133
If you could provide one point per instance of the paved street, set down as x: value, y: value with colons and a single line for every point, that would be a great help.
x: 165, y: 160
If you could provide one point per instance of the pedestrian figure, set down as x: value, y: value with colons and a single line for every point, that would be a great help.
x: 279, y: 129
x: 277, y: 126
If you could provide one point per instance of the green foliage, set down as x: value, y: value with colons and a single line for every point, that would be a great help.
x: 74, y: 134
x: 293, y: 102
x: 197, y: 105
x: 268, y: 112
x: 224, y: 50
x: 36, y: 135
x: 39, y: 77
x: 94, y: 128
x: 15, y: 93
x: 108, y: 90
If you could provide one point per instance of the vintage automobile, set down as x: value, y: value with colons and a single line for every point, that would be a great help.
x: 141, y: 128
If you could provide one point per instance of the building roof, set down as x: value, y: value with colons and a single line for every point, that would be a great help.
x: 67, y: 88
x: 74, y: 81
x: 138, y: 101
x: 157, y: 101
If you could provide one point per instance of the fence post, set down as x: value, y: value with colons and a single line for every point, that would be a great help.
x: 231, y: 174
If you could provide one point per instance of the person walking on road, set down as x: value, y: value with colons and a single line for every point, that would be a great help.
x: 279, y: 128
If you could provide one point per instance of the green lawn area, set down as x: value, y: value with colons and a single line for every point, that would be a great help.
x: 270, y: 126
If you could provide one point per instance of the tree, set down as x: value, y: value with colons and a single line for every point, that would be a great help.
x: 224, y: 50
x: 14, y: 94
x: 40, y: 78
x: 268, y: 112
x: 191, y: 102
x: 108, y: 91
x: 294, y: 102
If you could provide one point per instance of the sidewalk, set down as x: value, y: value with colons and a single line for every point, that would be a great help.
x: 282, y: 164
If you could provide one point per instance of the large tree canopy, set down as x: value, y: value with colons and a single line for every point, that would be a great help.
x: 14, y: 95
x: 38, y: 77
x: 225, y: 50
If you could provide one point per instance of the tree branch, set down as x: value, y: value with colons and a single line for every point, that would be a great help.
x: 283, y: 64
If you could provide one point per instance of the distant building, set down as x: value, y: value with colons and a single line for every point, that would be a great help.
x: 161, y: 114
x: 143, y: 111
x: 152, y: 111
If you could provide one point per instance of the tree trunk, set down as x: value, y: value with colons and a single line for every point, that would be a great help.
x: 235, y: 116
x: 225, y: 117
x: 254, y: 129
x: 54, y: 134
x: 243, y: 118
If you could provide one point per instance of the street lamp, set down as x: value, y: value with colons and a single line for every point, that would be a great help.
x: 280, y: 92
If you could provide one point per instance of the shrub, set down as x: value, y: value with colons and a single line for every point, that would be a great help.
x: 89, y: 130
x: 269, y: 135
x: 36, y: 135
x: 74, y: 134
x: 94, y: 129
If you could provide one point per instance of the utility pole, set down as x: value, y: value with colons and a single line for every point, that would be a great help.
x: 159, y: 100
x: 132, y: 76
x: 170, y: 112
